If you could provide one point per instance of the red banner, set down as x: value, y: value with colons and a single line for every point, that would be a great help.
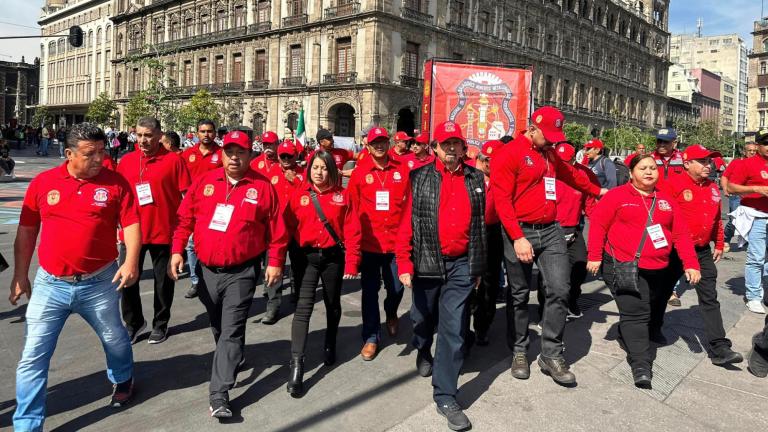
x: 487, y: 102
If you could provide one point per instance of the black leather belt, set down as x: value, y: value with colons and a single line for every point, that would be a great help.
x: 331, y: 251
x: 233, y: 268
x: 536, y: 226
x: 453, y: 258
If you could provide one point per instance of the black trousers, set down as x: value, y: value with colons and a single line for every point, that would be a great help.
x: 227, y: 298
x: 164, y: 286
x: 484, y: 299
x: 328, y: 265
x: 706, y: 290
x: 761, y: 339
x: 577, y: 257
x: 298, y: 265
x: 275, y: 292
x: 640, y: 313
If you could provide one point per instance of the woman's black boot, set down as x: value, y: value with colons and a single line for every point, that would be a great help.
x: 296, y: 381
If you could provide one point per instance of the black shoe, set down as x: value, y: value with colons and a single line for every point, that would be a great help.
x: 121, y: 394
x: 271, y: 315
x: 424, y: 362
x: 133, y: 335
x: 482, y: 339
x: 574, y: 312
x: 758, y: 358
x: 329, y: 355
x: 642, y: 377
x: 158, y: 335
x: 726, y: 355
x: 520, y: 368
x: 457, y: 420
x: 558, y: 369
x: 658, y: 338
x: 220, y: 409
x: 295, y: 384
x: 191, y: 292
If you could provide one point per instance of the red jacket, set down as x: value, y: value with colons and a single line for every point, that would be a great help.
x: 700, y: 205
x: 618, y: 221
x: 669, y: 167
x: 572, y: 204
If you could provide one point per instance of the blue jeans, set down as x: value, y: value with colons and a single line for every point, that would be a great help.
x: 192, y: 261
x: 442, y: 305
x: 375, y: 267
x: 730, y: 230
x: 52, y: 301
x: 754, y: 265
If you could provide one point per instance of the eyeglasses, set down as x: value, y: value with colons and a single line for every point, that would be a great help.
x: 705, y: 161
x: 286, y: 156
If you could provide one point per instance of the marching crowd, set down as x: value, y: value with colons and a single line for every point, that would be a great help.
x: 417, y: 216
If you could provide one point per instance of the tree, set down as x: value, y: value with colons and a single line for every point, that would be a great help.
x: 576, y: 133
x: 626, y: 137
x: 161, y: 93
x: 231, y: 113
x: 704, y: 133
x: 137, y: 107
x: 102, y: 110
x: 201, y: 106
x: 42, y: 116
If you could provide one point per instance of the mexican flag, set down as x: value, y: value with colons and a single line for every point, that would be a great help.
x: 301, y: 135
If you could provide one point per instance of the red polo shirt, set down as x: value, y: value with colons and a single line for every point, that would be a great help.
x: 266, y: 167
x: 255, y: 224
x: 168, y: 179
x: 732, y: 167
x: 108, y: 162
x: 752, y: 171
x: 302, y: 221
x: 79, y: 218
x: 285, y: 188
x: 340, y: 155
x: 572, y: 204
x: 669, y: 167
x: 700, y: 205
x: 412, y: 162
x: 199, y: 164
x: 453, y: 222
x: 617, y: 223
x: 518, y: 184
x: 491, y: 215
x: 378, y: 227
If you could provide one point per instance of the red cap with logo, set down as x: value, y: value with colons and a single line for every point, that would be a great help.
x: 490, y: 147
x: 269, y: 138
x: 565, y: 151
x: 698, y: 151
x: 594, y: 143
x: 550, y: 120
x: 402, y: 136
x: 447, y: 130
x: 287, y: 147
x: 238, y: 138
x: 422, y: 138
x: 377, y: 133
x: 190, y: 135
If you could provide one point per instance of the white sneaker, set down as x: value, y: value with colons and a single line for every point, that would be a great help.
x: 756, y: 306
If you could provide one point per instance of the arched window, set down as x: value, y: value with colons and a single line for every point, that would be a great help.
x: 60, y: 48
x: 98, y: 36
x: 765, y: 45
x: 292, y: 121
x: 52, y: 48
x: 258, y: 124
x: 204, y: 23
x: 119, y: 43
x: 89, y: 40
x: 221, y: 20
x: 109, y: 35
x: 118, y: 84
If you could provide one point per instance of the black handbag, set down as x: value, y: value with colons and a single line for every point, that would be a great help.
x: 324, y: 220
x: 626, y: 273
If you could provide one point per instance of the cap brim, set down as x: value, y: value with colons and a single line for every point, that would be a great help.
x: 553, y: 136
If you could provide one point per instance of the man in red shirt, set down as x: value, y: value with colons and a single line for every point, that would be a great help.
x: 441, y: 255
x: 291, y: 179
x: 200, y: 158
x: 639, y: 150
x: 524, y: 183
x: 377, y: 190
x: 734, y: 200
x: 668, y: 158
x: 340, y: 156
x: 235, y: 215
x: 79, y: 206
x: 401, y: 149
x: 420, y: 154
x: 158, y: 178
x: 700, y: 203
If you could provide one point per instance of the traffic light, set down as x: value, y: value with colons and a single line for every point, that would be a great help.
x: 76, y: 36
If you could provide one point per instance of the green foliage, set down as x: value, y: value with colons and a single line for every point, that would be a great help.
x: 201, y: 106
x: 576, y: 133
x: 137, y: 107
x: 42, y: 116
x: 625, y: 137
x: 704, y: 133
x: 160, y: 93
x: 102, y: 110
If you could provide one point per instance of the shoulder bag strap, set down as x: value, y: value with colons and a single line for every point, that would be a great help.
x: 645, y: 231
x: 323, y: 219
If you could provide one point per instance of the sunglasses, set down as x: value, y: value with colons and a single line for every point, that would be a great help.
x: 286, y: 156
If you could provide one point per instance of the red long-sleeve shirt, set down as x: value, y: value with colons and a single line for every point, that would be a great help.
x: 379, y: 227
x: 700, y: 205
x: 198, y: 163
x: 617, y: 223
x: 752, y: 171
x: 572, y: 204
x: 285, y: 188
x: 518, y: 184
x: 491, y: 215
x: 255, y: 224
x: 454, y: 216
x: 266, y: 167
x: 302, y: 221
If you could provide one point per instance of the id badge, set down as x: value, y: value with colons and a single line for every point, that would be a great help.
x: 221, y: 217
x: 144, y: 192
x: 549, y: 188
x: 657, y: 236
x: 382, y: 200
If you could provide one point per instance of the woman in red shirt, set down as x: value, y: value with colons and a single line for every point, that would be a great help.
x: 332, y: 253
x: 618, y: 225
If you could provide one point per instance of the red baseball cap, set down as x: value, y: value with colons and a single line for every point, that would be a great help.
x: 565, y: 151
x: 594, y: 143
x: 287, y: 147
x: 377, y: 133
x: 447, y: 130
x: 402, y: 136
x: 550, y: 120
x: 698, y: 151
x: 490, y: 147
x: 269, y: 138
x: 190, y: 135
x: 238, y: 138
x: 422, y: 138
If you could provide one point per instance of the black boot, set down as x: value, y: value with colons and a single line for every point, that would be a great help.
x: 296, y: 382
x: 329, y: 352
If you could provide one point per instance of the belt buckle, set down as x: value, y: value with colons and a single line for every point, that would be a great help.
x: 77, y: 278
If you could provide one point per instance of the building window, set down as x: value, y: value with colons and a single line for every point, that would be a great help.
x: 202, y: 71
x: 295, y: 7
x: 98, y: 36
x: 582, y: 96
x: 159, y: 32
x: 762, y: 95
x: 89, y: 40
x: 239, y: 16
x: 566, y: 92
x: 343, y: 55
x: 204, y: 26
x: 135, y: 83
x: 264, y: 10
x: 510, y: 32
x: 457, y: 13
x: 219, y: 71
x: 531, y: 40
x: 296, y: 61
x: 118, y: 83
x: 763, y: 67
x: 482, y: 23
x: 221, y: 20
x: 175, y: 34
x: 52, y: 48
x: 260, y: 69
x: 677, y: 87
x: 237, y: 68
x: 187, y: 77
x: 762, y: 119
x: 550, y: 48
x: 258, y: 124
x: 548, y: 93
x: 189, y: 27
x: 173, y: 73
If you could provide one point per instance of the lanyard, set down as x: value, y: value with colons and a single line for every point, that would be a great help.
x: 379, y: 179
x: 142, y: 169
x: 229, y: 192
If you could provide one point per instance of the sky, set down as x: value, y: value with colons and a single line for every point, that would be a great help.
x: 720, y: 17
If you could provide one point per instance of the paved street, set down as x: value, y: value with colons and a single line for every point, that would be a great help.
x: 386, y: 394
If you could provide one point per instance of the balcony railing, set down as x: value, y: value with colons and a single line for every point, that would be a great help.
x: 297, y: 81
x: 214, y: 88
x: 261, y: 27
x: 258, y: 84
x: 460, y: 28
x: 342, y: 10
x: 340, y: 78
x: 132, y: 93
x: 204, y: 38
x: 415, y: 15
x: 409, y: 81
x: 295, y: 20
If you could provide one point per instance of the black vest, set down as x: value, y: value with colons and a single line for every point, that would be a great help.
x: 425, y: 189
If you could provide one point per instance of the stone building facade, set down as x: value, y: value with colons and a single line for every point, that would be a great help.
x: 758, y: 78
x: 18, y: 90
